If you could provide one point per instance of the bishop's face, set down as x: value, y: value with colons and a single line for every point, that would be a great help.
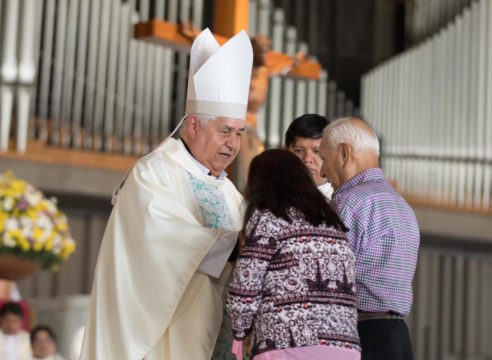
x: 216, y: 143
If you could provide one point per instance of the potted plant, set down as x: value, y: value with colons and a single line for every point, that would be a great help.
x: 34, y: 233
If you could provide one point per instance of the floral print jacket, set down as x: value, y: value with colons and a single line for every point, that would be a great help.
x: 293, y: 285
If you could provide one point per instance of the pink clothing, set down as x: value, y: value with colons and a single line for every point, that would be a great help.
x: 315, y: 352
x: 237, y: 349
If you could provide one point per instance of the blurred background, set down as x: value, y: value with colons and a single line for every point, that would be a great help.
x: 83, y: 94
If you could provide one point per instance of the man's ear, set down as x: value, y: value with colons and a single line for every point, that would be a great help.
x: 344, y: 154
x: 192, y: 126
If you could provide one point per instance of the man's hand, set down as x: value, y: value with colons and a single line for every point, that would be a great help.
x: 299, y: 58
x: 187, y: 29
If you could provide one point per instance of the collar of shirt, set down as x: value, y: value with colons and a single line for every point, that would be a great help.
x: 371, y: 174
x: 202, y: 167
x: 326, y: 189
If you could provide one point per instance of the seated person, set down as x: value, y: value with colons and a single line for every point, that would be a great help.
x: 14, y: 342
x: 303, y: 138
x: 43, y: 344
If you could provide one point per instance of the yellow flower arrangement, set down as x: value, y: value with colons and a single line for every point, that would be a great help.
x: 31, y: 225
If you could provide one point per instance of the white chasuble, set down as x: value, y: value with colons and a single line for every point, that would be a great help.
x: 148, y: 300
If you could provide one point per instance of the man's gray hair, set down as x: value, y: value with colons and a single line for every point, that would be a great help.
x: 202, y: 117
x: 345, y: 130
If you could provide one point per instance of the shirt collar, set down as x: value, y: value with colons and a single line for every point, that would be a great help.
x: 202, y: 167
x: 326, y: 189
x: 371, y: 174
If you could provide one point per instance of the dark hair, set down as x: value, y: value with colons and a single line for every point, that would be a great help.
x: 277, y: 181
x: 307, y: 126
x: 39, y: 328
x: 11, y: 307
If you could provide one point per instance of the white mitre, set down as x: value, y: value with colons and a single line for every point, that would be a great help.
x: 218, y: 81
x: 219, y: 76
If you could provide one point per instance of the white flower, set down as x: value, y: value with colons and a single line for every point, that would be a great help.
x: 26, y: 222
x: 8, y: 203
x: 33, y: 198
x: 51, y: 207
x: 57, y: 244
x: 44, y: 222
x: 27, y: 231
x: 11, y: 224
x: 8, y: 241
x: 45, y: 236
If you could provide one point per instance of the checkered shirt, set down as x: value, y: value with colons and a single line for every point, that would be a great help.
x: 384, y: 235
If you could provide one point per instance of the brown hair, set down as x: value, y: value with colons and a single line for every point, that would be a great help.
x: 277, y: 181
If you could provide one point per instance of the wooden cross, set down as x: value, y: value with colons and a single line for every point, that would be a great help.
x: 231, y: 16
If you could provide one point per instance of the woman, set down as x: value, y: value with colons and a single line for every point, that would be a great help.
x: 293, y: 285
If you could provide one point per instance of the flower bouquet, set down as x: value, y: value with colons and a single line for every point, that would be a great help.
x: 33, y: 232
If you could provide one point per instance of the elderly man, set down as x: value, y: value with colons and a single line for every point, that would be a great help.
x: 383, y: 233
x: 303, y: 138
x: 161, y: 271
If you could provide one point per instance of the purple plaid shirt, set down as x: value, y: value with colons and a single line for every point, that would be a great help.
x: 384, y: 235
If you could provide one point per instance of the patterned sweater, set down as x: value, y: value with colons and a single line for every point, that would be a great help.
x: 293, y: 285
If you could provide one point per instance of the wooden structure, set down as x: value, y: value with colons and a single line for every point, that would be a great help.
x: 38, y: 151
x: 231, y: 16
x: 167, y: 34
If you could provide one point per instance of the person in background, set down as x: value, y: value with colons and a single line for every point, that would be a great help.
x: 303, y: 138
x: 43, y: 342
x: 383, y: 233
x: 8, y: 290
x: 14, y: 342
x: 293, y: 287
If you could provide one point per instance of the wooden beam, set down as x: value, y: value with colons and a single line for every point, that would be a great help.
x: 305, y: 70
x: 167, y: 34
x: 426, y: 203
x: 231, y: 16
x: 417, y: 201
x: 37, y: 151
